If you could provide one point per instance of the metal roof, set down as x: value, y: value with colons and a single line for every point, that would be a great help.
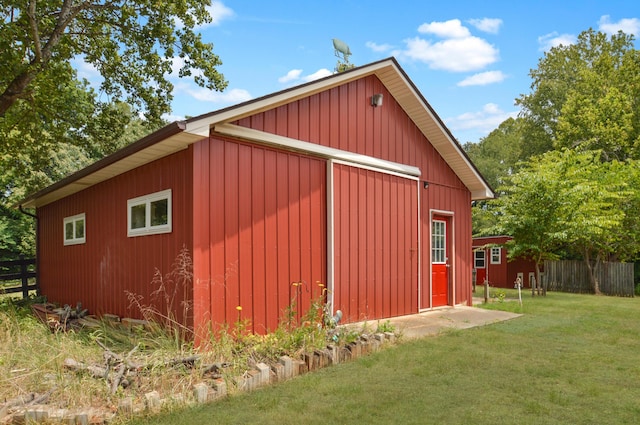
x: 180, y: 134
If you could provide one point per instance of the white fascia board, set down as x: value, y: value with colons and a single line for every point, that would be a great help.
x: 312, y: 148
x: 479, y: 195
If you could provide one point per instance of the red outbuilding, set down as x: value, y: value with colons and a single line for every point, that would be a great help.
x: 350, y: 183
x: 490, y: 263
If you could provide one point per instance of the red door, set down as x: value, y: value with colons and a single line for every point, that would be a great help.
x: 439, y: 262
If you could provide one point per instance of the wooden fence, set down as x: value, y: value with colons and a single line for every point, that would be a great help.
x: 573, y: 276
x: 18, y: 276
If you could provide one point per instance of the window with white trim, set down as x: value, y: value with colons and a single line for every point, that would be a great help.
x: 496, y: 255
x: 478, y: 259
x: 438, y: 241
x: 149, y: 214
x: 74, y: 229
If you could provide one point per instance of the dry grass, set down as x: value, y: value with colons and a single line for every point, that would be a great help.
x: 32, y: 357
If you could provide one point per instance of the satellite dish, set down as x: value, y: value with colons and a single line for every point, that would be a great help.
x: 341, y: 48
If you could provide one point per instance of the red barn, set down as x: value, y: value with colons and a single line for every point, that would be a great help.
x: 351, y: 181
x: 490, y: 263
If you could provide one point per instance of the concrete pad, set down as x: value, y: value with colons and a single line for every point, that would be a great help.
x: 435, y: 321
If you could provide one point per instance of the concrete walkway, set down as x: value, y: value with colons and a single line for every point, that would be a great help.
x: 434, y: 321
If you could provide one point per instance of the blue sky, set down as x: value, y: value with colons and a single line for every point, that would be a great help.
x: 470, y: 59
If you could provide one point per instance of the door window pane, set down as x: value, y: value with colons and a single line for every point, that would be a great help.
x: 438, y: 242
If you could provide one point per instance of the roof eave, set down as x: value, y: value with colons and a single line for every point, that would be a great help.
x: 179, y: 135
x: 42, y: 197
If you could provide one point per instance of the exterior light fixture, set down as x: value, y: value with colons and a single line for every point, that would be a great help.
x: 376, y: 99
x: 425, y: 184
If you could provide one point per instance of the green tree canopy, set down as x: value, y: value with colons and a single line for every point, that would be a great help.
x: 570, y: 199
x: 497, y: 154
x: 132, y: 43
x: 585, y: 96
x: 51, y: 122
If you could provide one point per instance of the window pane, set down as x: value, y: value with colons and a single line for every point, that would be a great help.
x: 159, y: 210
x: 68, y: 230
x: 79, y: 229
x: 438, y: 242
x: 138, y: 214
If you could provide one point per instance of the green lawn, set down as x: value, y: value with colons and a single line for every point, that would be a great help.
x: 571, y: 359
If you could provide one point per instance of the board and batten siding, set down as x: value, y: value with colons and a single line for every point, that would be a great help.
x: 343, y: 118
x: 100, y: 272
x: 375, y: 243
x: 260, y: 221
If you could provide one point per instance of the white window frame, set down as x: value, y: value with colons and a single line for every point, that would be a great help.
x: 147, y: 200
x: 73, y: 220
x: 439, y: 242
x: 477, y: 258
x: 496, y: 255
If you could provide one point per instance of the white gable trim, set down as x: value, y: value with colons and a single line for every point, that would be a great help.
x: 288, y: 143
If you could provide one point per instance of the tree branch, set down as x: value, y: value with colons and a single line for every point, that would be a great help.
x: 35, y: 34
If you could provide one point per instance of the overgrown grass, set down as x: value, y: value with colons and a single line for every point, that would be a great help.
x: 571, y: 359
x: 32, y: 357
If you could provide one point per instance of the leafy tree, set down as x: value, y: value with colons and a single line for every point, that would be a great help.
x: 132, y: 43
x: 593, y: 214
x: 497, y: 154
x: 569, y: 198
x: 52, y: 123
x: 601, y: 113
x: 585, y: 95
x: 529, y: 210
x: 496, y: 157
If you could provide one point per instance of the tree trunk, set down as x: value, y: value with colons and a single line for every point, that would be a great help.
x: 593, y: 271
x: 538, y: 278
x: 14, y: 91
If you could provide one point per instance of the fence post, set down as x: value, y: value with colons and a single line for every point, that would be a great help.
x: 486, y: 291
x: 24, y: 276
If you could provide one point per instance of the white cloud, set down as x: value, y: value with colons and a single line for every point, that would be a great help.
x: 448, y: 29
x: 172, y: 118
x: 554, y: 39
x: 292, y: 75
x: 321, y: 73
x: 459, y: 51
x: 484, y: 121
x: 295, y: 76
x: 218, y: 12
x: 378, y: 47
x: 455, y: 54
x: 483, y: 78
x: 85, y: 69
x: 627, y: 25
x: 490, y: 25
x: 230, y: 97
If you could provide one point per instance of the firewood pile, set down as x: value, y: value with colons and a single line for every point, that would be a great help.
x: 63, y: 318
x: 121, y: 370
x: 116, y: 370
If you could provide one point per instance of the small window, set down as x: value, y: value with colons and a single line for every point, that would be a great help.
x: 496, y: 255
x: 438, y: 239
x: 478, y: 257
x: 74, y: 233
x: 149, y: 214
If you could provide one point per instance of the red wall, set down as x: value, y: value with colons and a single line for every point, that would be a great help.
x: 376, y: 241
x: 260, y: 226
x: 503, y: 275
x: 98, y: 272
x: 343, y: 118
